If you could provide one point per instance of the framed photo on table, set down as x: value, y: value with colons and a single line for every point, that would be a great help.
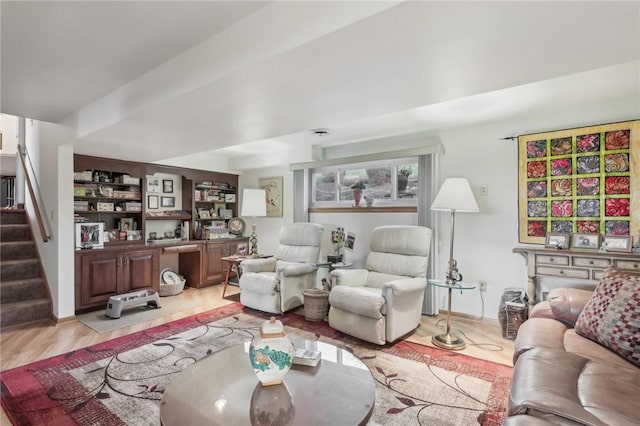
x: 89, y: 235
x: 585, y: 241
x: 617, y: 243
x: 557, y: 240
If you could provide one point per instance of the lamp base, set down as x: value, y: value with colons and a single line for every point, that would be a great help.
x: 448, y: 341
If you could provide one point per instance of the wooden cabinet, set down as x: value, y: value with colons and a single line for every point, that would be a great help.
x: 107, y: 273
x: 214, y: 204
x: 579, y: 265
x: 206, y: 268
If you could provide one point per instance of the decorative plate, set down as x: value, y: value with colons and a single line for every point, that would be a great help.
x: 236, y: 225
x: 169, y: 277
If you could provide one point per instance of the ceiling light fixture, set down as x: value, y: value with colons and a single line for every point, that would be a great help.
x: 321, y: 131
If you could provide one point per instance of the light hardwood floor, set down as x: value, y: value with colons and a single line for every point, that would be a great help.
x: 28, y: 343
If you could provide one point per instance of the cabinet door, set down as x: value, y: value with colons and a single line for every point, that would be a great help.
x: 141, y: 270
x: 101, y: 278
x: 212, y: 263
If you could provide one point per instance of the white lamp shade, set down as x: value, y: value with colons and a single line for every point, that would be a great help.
x: 254, y: 203
x: 455, y: 195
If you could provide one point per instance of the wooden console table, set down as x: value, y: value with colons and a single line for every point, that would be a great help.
x: 572, y: 264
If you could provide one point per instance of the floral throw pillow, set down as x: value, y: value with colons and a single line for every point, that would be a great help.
x: 612, y: 315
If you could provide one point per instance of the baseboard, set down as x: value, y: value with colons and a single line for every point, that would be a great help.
x: 64, y: 320
x: 487, y: 321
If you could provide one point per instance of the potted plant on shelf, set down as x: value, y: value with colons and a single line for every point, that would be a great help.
x: 403, y: 177
x: 358, y: 187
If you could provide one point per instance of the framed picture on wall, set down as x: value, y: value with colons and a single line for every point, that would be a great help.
x: 153, y: 184
x: 167, y: 185
x: 168, y: 201
x: 153, y: 202
x: 273, y: 189
x: 579, y: 181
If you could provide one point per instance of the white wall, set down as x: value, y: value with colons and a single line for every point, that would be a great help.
x: 53, y: 164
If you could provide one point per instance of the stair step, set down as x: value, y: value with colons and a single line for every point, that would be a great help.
x: 14, y: 250
x: 8, y: 216
x: 19, y: 269
x: 21, y: 290
x: 15, y: 232
x: 26, y: 311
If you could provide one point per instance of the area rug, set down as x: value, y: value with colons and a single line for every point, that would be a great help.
x: 121, y: 381
x: 98, y: 321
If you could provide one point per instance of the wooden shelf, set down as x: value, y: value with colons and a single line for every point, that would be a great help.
x: 169, y: 217
x: 104, y: 212
x: 119, y: 185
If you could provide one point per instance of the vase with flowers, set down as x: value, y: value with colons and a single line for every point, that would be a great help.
x: 337, y: 239
x: 358, y: 187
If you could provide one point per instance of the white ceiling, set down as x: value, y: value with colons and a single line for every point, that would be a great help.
x: 148, y: 81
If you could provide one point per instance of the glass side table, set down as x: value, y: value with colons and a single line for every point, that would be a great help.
x: 448, y: 340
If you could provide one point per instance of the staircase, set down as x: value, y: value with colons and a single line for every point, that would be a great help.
x: 23, y: 294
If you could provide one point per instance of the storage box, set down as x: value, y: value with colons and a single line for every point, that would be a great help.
x: 83, y: 176
x: 82, y: 206
x: 132, y: 206
x: 104, y: 207
x: 128, y: 180
x: 126, y: 194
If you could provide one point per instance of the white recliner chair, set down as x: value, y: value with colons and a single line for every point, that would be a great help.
x: 275, y: 284
x: 383, y: 302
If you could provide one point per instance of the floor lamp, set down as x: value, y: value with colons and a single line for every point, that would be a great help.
x: 455, y: 195
x: 254, y: 204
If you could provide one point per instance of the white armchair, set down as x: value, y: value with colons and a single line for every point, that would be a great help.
x: 275, y: 284
x: 383, y: 302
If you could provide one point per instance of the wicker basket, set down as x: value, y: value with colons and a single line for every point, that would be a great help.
x: 170, y: 288
x: 316, y: 304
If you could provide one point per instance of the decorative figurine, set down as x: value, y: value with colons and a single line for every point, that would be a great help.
x: 271, y: 353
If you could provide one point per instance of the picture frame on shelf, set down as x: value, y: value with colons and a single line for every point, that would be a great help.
x: 620, y: 243
x: 167, y: 186
x: 204, y: 214
x: 558, y: 240
x: 229, y: 198
x: 226, y: 213
x: 585, y: 241
x: 153, y: 202
x: 89, y: 235
x: 126, y: 224
x: 167, y: 201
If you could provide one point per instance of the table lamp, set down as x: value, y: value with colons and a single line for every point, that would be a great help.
x: 254, y: 204
x: 455, y: 195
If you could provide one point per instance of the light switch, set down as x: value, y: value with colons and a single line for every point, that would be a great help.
x: 484, y: 190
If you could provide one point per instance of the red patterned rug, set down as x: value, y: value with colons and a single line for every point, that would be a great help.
x: 120, y: 382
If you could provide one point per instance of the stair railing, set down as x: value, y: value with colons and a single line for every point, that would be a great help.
x: 43, y: 222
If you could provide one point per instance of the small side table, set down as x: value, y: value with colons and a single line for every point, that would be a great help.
x: 448, y: 340
x: 333, y: 266
x: 231, y: 263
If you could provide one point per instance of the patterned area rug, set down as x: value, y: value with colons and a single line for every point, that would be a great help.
x: 120, y: 382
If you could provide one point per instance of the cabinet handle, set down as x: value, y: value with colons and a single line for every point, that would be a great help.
x: 561, y: 272
x: 591, y: 262
x: 126, y: 260
x: 119, y: 262
x: 551, y: 259
x: 635, y: 265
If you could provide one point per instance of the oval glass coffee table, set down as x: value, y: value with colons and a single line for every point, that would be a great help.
x: 222, y: 389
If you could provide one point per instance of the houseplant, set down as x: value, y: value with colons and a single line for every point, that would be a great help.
x: 403, y: 177
x: 358, y: 187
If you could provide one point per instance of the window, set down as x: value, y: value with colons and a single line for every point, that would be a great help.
x: 387, y: 182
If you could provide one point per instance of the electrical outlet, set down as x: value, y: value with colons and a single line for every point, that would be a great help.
x: 483, y: 286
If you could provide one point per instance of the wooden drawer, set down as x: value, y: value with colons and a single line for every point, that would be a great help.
x: 562, y: 272
x: 591, y: 262
x: 632, y: 266
x: 552, y: 260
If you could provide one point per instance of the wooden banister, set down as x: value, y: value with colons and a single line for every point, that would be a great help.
x: 43, y: 232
